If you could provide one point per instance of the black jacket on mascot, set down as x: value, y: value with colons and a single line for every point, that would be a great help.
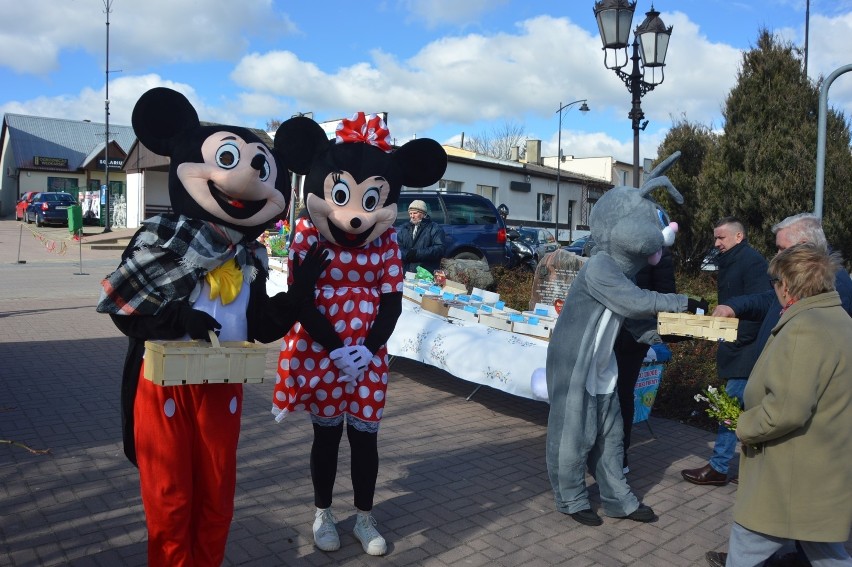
x: 184, y: 274
x: 334, y: 362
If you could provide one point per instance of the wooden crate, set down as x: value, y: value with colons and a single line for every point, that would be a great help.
x: 698, y: 326
x: 175, y: 363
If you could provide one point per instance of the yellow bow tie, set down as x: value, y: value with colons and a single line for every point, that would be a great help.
x: 225, y: 282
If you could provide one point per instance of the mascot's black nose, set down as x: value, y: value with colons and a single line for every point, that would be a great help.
x: 355, y: 223
x: 258, y: 162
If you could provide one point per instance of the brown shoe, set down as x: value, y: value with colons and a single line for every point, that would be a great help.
x: 706, y: 475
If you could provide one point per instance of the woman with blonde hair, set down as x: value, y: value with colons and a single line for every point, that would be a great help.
x: 796, y: 430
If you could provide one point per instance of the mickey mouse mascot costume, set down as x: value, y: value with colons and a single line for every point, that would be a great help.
x: 182, y: 275
x: 334, y: 363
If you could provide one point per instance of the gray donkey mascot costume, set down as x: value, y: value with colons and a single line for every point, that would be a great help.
x: 584, y: 426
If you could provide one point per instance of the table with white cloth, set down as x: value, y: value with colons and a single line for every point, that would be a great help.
x: 468, y: 350
x: 475, y: 352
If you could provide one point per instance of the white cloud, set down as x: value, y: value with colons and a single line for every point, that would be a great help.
x: 142, y: 34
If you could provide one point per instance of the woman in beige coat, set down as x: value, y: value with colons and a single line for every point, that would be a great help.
x: 796, y: 464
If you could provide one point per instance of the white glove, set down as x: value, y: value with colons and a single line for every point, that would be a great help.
x: 352, y: 361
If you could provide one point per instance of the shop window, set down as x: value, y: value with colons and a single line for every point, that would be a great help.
x: 65, y: 184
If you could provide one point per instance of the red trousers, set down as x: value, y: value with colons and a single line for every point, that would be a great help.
x: 186, y: 447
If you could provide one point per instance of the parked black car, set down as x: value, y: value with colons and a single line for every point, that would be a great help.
x: 540, y: 240
x: 474, y: 229
x: 49, y: 208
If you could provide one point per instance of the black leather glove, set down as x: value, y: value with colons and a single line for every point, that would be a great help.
x: 410, y: 255
x: 306, y: 272
x: 197, y: 323
x: 692, y: 305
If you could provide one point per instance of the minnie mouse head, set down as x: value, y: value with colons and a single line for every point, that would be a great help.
x: 224, y: 174
x: 353, y: 182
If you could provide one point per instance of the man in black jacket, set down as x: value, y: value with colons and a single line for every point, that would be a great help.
x: 742, y: 270
x: 421, y: 242
x: 629, y: 352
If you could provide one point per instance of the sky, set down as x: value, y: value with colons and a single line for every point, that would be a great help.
x: 441, y: 69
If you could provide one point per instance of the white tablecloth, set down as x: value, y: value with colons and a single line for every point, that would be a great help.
x: 468, y: 350
x: 477, y: 353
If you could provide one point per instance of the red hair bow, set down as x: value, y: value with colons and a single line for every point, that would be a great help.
x: 366, y: 129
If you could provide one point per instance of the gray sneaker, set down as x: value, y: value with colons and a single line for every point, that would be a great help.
x: 371, y: 540
x: 325, y: 532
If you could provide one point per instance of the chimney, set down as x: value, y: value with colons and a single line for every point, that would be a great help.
x: 514, y: 153
x: 534, y: 151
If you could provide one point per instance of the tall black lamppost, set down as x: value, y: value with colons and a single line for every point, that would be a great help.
x: 583, y: 108
x: 650, y: 42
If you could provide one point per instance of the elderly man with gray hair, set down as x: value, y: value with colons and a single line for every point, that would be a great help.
x: 421, y: 242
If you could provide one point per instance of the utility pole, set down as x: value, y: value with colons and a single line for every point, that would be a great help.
x: 108, y: 9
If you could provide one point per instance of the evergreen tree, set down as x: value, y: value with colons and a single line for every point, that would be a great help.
x: 767, y: 162
x: 698, y: 145
x: 763, y: 167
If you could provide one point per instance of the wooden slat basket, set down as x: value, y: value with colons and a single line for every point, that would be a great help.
x: 175, y: 363
x: 698, y: 326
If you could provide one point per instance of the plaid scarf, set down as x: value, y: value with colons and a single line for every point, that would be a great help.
x: 170, y: 262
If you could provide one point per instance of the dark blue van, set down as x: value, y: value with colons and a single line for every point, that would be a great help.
x: 474, y: 229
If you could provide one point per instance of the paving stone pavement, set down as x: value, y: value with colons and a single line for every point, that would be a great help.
x: 460, y: 482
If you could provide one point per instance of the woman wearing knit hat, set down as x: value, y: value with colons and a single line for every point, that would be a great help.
x: 421, y: 242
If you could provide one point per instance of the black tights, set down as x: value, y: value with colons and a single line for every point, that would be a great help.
x: 364, y: 464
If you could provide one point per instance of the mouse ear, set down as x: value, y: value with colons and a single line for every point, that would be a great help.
x: 421, y: 162
x: 160, y: 117
x: 657, y: 179
x: 664, y: 165
x: 297, y: 141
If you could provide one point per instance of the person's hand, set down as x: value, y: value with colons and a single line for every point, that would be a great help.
x: 697, y: 306
x: 410, y: 255
x: 352, y: 361
x: 723, y: 311
x: 197, y: 324
x: 306, y: 272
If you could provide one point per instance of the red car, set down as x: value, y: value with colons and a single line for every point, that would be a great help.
x: 23, y: 203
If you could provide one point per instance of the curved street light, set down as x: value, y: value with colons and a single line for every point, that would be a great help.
x: 650, y: 43
x: 583, y: 108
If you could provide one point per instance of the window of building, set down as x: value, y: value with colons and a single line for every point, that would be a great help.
x: 545, y: 207
x: 487, y: 191
x: 449, y: 186
x: 65, y: 184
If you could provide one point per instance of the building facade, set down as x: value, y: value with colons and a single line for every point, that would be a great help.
x: 49, y: 154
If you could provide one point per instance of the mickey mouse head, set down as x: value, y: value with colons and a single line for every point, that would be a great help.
x: 225, y: 174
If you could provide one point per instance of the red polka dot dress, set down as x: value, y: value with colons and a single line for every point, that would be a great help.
x: 348, y: 293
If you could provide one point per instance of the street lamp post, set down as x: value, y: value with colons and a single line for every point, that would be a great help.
x: 650, y: 43
x: 583, y: 108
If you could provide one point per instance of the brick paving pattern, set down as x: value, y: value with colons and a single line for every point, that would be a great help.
x: 460, y: 482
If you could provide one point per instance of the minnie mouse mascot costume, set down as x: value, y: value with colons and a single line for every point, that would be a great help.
x: 182, y: 275
x: 334, y: 363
